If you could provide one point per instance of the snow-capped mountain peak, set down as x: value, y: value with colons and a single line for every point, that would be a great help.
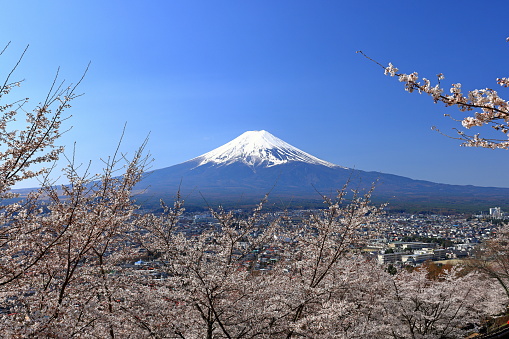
x: 258, y: 148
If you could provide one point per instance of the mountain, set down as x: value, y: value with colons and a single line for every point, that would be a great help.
x: 241, y: 171
x: 257, y: 149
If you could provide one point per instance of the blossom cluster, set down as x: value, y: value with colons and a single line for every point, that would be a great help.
x: 488, y: 107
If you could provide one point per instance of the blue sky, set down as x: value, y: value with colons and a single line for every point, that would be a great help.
x: 196, y: 74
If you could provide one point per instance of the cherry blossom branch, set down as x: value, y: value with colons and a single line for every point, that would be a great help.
x: 492, y: 111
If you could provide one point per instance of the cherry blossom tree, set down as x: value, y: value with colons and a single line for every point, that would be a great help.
x: 315, y: 285
x: 449, y: 306
x: 60, y: 244
x: 492, y: 258
x: 210, y: 288
x: 487, y: 108
x: 323, y: 243
x: 20, y: 151
x: 60, y: 254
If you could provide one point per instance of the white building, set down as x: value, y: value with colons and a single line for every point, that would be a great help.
x: 495, y: 212
x: 389, y: 257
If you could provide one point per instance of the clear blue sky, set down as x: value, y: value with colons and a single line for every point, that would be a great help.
x: 196, y: 74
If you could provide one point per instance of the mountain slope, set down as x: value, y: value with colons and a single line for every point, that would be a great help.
x: 257, y: 162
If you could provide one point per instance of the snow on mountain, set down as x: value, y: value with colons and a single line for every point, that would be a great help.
x: 257, y: 148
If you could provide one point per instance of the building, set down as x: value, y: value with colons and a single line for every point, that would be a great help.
x: 389, y: 257
x: 495, y: 212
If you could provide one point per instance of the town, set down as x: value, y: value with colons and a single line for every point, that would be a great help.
x: 398, y: 240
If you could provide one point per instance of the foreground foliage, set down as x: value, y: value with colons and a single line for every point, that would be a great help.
x: 67, y: 254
